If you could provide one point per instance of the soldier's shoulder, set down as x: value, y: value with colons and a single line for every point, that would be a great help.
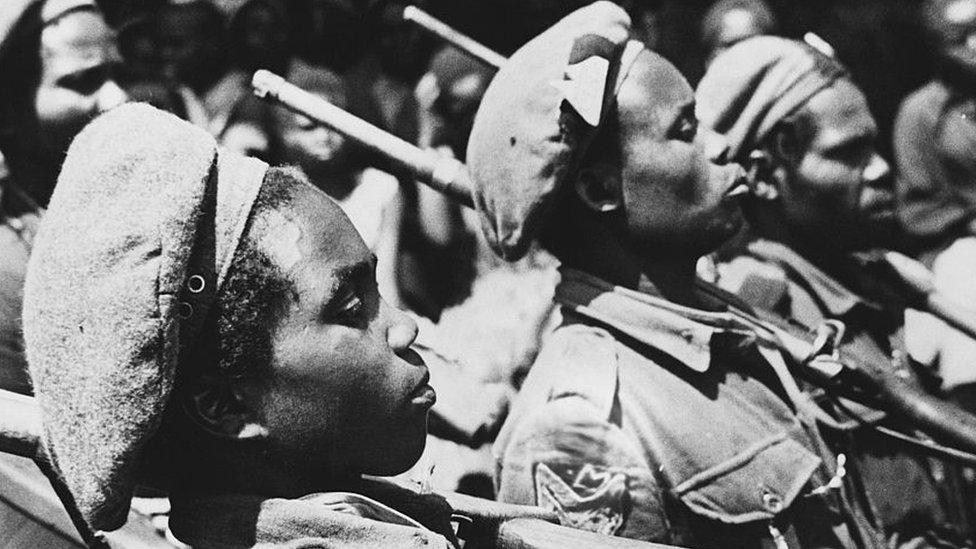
x: 579, y: 360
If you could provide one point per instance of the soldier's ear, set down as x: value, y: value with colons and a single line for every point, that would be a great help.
x: 598, y: 187
x: 221, y: 408
x: 766, y: 175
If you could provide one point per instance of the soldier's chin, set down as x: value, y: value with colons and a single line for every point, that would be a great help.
x: 883, y: 228
x: 399, y: 455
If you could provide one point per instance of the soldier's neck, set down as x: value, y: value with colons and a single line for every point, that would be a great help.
x: 663, y: 275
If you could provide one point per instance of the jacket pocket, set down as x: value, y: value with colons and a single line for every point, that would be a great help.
x: 756, y: 484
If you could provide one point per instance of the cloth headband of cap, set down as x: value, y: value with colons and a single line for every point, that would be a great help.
x: 232, y: 188
x: 592, y: 79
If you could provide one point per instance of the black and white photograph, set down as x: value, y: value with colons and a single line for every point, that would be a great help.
x: 488, y: 274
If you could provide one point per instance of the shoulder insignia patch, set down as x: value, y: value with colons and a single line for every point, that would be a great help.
x: 587, y: 498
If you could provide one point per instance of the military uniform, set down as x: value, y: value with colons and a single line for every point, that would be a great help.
x: 911, y: 495
x: 650, y: 420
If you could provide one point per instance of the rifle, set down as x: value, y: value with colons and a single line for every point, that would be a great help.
x: 462, y: 42
x: 817, y: 356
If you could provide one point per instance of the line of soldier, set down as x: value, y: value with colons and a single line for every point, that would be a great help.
x: 210, y: 325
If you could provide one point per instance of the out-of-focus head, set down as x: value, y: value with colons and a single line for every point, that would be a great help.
x: 302, y: 142
x: 192, y: 42
x: 461, y: 82
x: 581, y: 115
x: 65, y: 59
x: 805, y: 131
x: 398, y: 44
x: 729, y: 22
x: 259, y: 35
x: 233, y: 303
x: 646, y: 17
x: 952, y: 24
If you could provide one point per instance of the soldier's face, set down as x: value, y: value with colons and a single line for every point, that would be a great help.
x: 346, y: 390
x: 676, y: 200
x: 309, y: 145
x: 838, y: 180
x: 78, y: 60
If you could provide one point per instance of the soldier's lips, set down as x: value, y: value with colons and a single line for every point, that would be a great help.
x: 739, y: 188
x: 424, y: 395
x: 739, y: 185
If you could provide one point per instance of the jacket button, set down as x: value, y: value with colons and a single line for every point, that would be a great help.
x: 772, y: 502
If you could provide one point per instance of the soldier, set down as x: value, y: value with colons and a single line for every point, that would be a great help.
x: 201, y: 323
x: 651, y: 412
x: 64, y: 59
x: 824, y: 198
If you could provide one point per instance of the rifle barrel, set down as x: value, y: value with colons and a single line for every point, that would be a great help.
x: 453, y: 37
x: 445, y: 175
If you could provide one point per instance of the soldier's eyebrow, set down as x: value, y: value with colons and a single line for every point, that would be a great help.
x: 348, y: 277
x: 850, y: 141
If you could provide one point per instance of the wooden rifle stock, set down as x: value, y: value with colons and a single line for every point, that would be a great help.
x: 446, y: 175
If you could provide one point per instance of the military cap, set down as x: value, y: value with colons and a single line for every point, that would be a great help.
x: 756, y: 84
x: 137, y: 240
x: 539, y: 115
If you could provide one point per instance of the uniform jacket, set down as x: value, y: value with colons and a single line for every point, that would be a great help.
x: 912, y: 496
x: 646, y: 419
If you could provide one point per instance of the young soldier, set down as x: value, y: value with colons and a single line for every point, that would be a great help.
x: 651, y: 412
x: 59, y: 60
x: 199, y: 322
x: 823, y: 195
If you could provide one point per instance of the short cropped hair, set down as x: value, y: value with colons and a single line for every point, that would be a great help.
x: 240, y: 330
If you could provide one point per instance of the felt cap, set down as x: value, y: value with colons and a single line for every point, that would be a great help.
x: 138, y: 238
x: 539, y: 115
x: 757, y: 83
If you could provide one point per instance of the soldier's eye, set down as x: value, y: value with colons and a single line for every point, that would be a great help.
x: 684, y: 129
x: 349, y: 311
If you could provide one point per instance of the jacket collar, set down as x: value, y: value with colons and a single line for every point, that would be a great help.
x: 684, y: 333
x: 834, y: 297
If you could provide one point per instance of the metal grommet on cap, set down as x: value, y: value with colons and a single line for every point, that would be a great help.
x: 772, y: 502
x: 185, y: 310
x: 196, y: 284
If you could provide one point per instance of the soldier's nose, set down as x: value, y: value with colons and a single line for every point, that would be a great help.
x: 401, y: 331
x: 715, y: 146
x: 877, y: 169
